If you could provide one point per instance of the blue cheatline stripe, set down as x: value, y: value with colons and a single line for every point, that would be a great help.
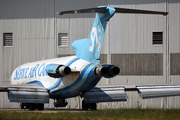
x: 71, y: 61
x: 60, y: 79
x: 37, y: 82
x: 78, y: 82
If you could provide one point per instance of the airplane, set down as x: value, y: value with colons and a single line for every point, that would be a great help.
x: 33, y: 84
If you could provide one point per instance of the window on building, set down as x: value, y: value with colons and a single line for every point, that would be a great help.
x: 157, y: 38
x: 8, y: 39
x: 62, y: 39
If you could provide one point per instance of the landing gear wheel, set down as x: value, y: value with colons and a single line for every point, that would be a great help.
x: 91, y: 106
x: 40, y: 106
x: 22, y: 105
x: 32, y: 106
x: 84, y: 105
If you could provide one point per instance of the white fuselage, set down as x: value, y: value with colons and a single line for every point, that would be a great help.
x: 34, y: 73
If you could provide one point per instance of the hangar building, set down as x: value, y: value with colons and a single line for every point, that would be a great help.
x: 145, y: 47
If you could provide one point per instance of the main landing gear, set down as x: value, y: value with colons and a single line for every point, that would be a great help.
x: 91, y: 106
x: 58, y: 103
x: 32, y: 106
x: 85, y: 106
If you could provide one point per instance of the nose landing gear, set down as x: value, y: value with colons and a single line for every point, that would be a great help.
x: 60, y: 103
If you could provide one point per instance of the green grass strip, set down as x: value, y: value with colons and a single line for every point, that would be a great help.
x: 110, y: 114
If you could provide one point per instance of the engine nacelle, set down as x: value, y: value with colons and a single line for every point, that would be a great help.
x: 100, y: 71
x: 57, y: 71
x: 112, y: 70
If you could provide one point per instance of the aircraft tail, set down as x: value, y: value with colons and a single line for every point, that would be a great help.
x: 89, y: 48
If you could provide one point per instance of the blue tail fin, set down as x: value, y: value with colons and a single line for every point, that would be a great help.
x: 89, y: 48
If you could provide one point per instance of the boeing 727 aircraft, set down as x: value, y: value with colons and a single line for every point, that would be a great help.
x: 61, y: 78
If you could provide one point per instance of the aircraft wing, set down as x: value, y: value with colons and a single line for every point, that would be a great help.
x: 105, y: 94
x: 158, y: 91
x: 114, y: 93
x: 29, y: 93
x: 5, y: 88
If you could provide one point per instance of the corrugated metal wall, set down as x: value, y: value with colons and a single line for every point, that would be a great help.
x: 174, y: 47
x: 128, y: 40
x: 141, y: 62
x: 31, y: 23
x: 133, y: 37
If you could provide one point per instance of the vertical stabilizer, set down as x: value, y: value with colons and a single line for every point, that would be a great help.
x: 89, y: 48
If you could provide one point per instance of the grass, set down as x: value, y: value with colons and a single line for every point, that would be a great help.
x: 110, y: 114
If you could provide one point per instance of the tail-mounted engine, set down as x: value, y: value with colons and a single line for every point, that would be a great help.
x: 106, y: 70
x: 112, y: 70
x: 100, y: 71
x: 57, y: 71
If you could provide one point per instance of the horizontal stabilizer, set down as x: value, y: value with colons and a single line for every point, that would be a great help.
x: 102, y: 9
x: 89, y: 10
x: 136, y: 11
